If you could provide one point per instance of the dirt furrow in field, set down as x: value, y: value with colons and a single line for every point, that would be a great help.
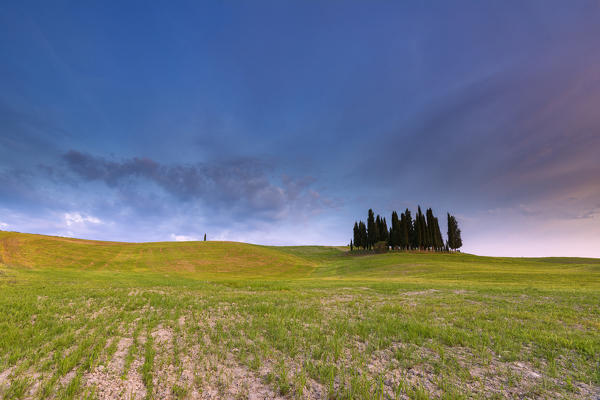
x: 164, y: 376
x: 227, y: 379
x: 4, y: 376
x: 108, y: 380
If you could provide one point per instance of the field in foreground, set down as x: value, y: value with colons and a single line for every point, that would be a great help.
x: 83, y: 319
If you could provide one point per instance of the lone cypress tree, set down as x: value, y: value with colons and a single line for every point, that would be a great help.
x: 205, y: 237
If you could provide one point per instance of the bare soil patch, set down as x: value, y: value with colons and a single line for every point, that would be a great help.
x: 108, y: 380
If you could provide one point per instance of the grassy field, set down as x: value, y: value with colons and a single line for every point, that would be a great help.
x: 84, y: 319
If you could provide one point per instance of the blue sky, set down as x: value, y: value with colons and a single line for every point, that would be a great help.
x: 283, y: 122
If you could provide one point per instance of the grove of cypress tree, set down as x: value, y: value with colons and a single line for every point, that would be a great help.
x: 404, y: 233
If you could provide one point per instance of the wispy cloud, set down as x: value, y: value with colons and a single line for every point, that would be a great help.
x: 75, y: 218
x: 184, y: 238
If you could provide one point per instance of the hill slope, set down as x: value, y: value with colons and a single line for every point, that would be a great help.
x: 231, y: 260
x: 204, y: 258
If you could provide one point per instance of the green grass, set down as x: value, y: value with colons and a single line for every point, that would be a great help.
x: 227, y: 319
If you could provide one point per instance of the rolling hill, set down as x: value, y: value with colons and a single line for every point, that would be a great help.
x: 232, y: 260
x: 197, y: 258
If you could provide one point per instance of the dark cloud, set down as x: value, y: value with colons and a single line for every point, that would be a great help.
x: 241, y: 185
x: 511, y: 137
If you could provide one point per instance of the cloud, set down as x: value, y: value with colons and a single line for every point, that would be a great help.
x: 3, y: 225
x: 243, y: 187
x: 589, y: 214
x: 184, y: 238
x: 76, y: 218
x: 513, y: 136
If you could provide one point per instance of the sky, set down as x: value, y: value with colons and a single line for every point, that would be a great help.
x: 284, y: 122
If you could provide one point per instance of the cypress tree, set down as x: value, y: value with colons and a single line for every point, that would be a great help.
x: 384, y: 235
x: 410, y: 230
x: 378, y: 224
x: 358, y: 241
x: 362, y: 229
x: 424, y: 233
x: 403, y: 232
x: 417, y: 233
x: 450, y: 231
x: 419, y: 229
x: 441, y: 238
x: 457, y: 238
x: 205, y: 237
x: 454, y: 238
x: 395, y: 231
x: 355, y: 235
x: 371, y: 229
x: 438, y: 241
x: 431, y: 230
